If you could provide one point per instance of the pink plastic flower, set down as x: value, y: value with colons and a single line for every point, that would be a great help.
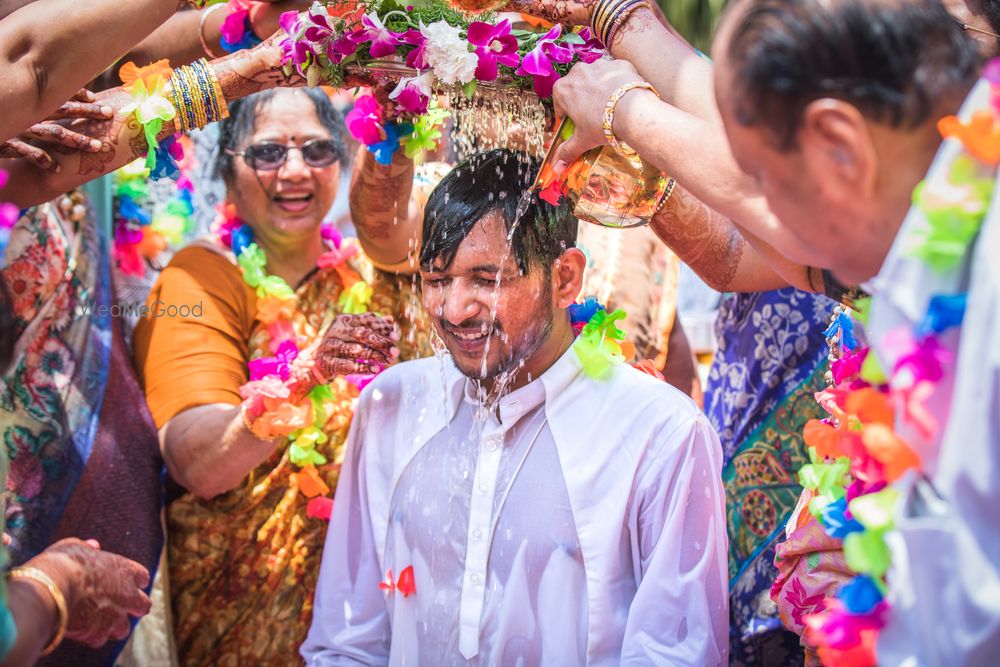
x: 319, y: 508
x: 234, y: 26
x: 256, y: 392
x: 494, y: 46
x: 849, y: 365
x: 364, y: 121
x: 384, y: 42
x: 8, y: 215
x: 413, y: 93
x: 279, y: 364
x: 538, y: 63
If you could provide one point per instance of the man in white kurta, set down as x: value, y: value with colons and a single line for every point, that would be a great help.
x: 577, y: 521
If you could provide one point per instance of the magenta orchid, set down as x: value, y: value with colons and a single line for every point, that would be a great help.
x: 384, y: 42
x: 538, y: 62
x: 364, y: 121
x: 296, y: 50
x: 590, y: 50
x: 413, y: 93
x: 417, y: 58
x: 494, y: 46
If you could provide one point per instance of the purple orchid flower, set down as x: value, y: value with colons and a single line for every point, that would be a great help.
x: 295, y: 49
x: 538, y: 63
x: 592, y: 49
x: 413, y: 93
x: 494, y: 45
x: 384, y: 42
x: 416, y: 58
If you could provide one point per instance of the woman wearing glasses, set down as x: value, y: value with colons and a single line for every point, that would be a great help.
x: 277, y: 299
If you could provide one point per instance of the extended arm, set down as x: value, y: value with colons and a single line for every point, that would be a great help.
x: 51, y: 48
x: 386, y: 218
x: 240, y: 74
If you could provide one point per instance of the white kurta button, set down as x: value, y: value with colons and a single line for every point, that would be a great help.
x: 474, y: 578
x: 483, y: 489
x: 478, y: 534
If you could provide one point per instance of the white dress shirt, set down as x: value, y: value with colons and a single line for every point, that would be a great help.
x: 582, y: 523
x: 945, y: 576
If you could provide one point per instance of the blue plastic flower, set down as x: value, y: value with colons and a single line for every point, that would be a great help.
x: 385, y: 149
x: 242, y: 237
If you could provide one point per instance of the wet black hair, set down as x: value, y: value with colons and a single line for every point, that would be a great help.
x: 494, y: 182
x: 892, y: 59
x: 239, y: 127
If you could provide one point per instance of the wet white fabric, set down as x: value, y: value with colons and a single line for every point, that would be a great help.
x: 584, y: 524
x: 945, y: 576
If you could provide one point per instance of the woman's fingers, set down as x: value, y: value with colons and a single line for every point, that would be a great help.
x: 15, y: 148
x: 53, y: 133
x: 74, y: 109
x: 333, y: 366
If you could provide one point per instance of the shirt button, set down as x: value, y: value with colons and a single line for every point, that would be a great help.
x: 474, y: 578
x: 483, y: 489
x: 491, y: 447
x: 477, y: 534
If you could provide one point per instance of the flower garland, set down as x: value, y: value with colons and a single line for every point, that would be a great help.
x: 150, y: 106
x: 600, y: 344
x: 9, y: 215
x: 237, y: 28
x: 441, y: 45
x: 138, y: 234
x: 856, y: 454
x: 284, y: 397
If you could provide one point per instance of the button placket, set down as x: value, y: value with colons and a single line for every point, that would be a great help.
x: 478, y: 543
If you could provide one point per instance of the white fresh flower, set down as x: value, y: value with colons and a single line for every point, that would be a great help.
x: 448, y: 54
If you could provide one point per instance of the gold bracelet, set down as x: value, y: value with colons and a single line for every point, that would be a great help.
x: 622, y: 17
x: 39, y: 577
x: 620, y: 147
x: 205, y: 13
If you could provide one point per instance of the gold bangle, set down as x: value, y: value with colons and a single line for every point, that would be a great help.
x: 205, y: 13
x: 620, y: 147
x: 41, y: 578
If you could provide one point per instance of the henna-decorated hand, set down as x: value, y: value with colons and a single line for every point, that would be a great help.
x: 80, y: 106
x: 582, y: 95
x: 102, y: 589
x: 357, y: 345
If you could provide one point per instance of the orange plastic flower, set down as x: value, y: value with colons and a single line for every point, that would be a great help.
x: 310, y: 483
x: 152, y: 243
x: 823, y: 437
x: 889, y: 449
x: 980, y: 136
x: 271, y: 309
x: 284, y: 419
x: 870, y: 406
x: 130, y: 73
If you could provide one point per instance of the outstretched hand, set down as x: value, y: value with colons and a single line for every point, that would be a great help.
x: 57, y: 135
x: 582, y: 95
x: 357, y: 345
x: 102, y: 589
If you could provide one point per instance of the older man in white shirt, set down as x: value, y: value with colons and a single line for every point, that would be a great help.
x: 500, y: 506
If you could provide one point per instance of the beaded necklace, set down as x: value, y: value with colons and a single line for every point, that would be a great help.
x: 856, y: 453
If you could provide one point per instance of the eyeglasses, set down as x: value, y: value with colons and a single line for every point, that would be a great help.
x: 269, y: 156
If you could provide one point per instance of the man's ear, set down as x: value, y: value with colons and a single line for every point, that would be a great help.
x: 567, y: 277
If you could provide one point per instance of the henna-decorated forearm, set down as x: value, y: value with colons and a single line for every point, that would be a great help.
x: 388, y: 225
x: 122, y: 138
x: 703, y: 239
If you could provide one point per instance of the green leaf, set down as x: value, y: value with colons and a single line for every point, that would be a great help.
x: 572, y: 38
x: 469, y: 89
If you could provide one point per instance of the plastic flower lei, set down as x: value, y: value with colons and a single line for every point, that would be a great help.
x: 856, y: 453
x: 141, y: 233
x: 283, y: 397
x: 444, y: 48
x: 150, y: 106
x: 599, y: 344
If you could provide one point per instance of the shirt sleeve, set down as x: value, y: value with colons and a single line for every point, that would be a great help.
x: 680, y: 613
x: 350, y: 624
x: 192, y: 346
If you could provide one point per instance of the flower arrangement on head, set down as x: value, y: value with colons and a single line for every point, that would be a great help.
x: 442, y: 47
x: 142, y: 232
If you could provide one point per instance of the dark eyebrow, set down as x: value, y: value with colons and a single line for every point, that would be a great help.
x: 485, y: 268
